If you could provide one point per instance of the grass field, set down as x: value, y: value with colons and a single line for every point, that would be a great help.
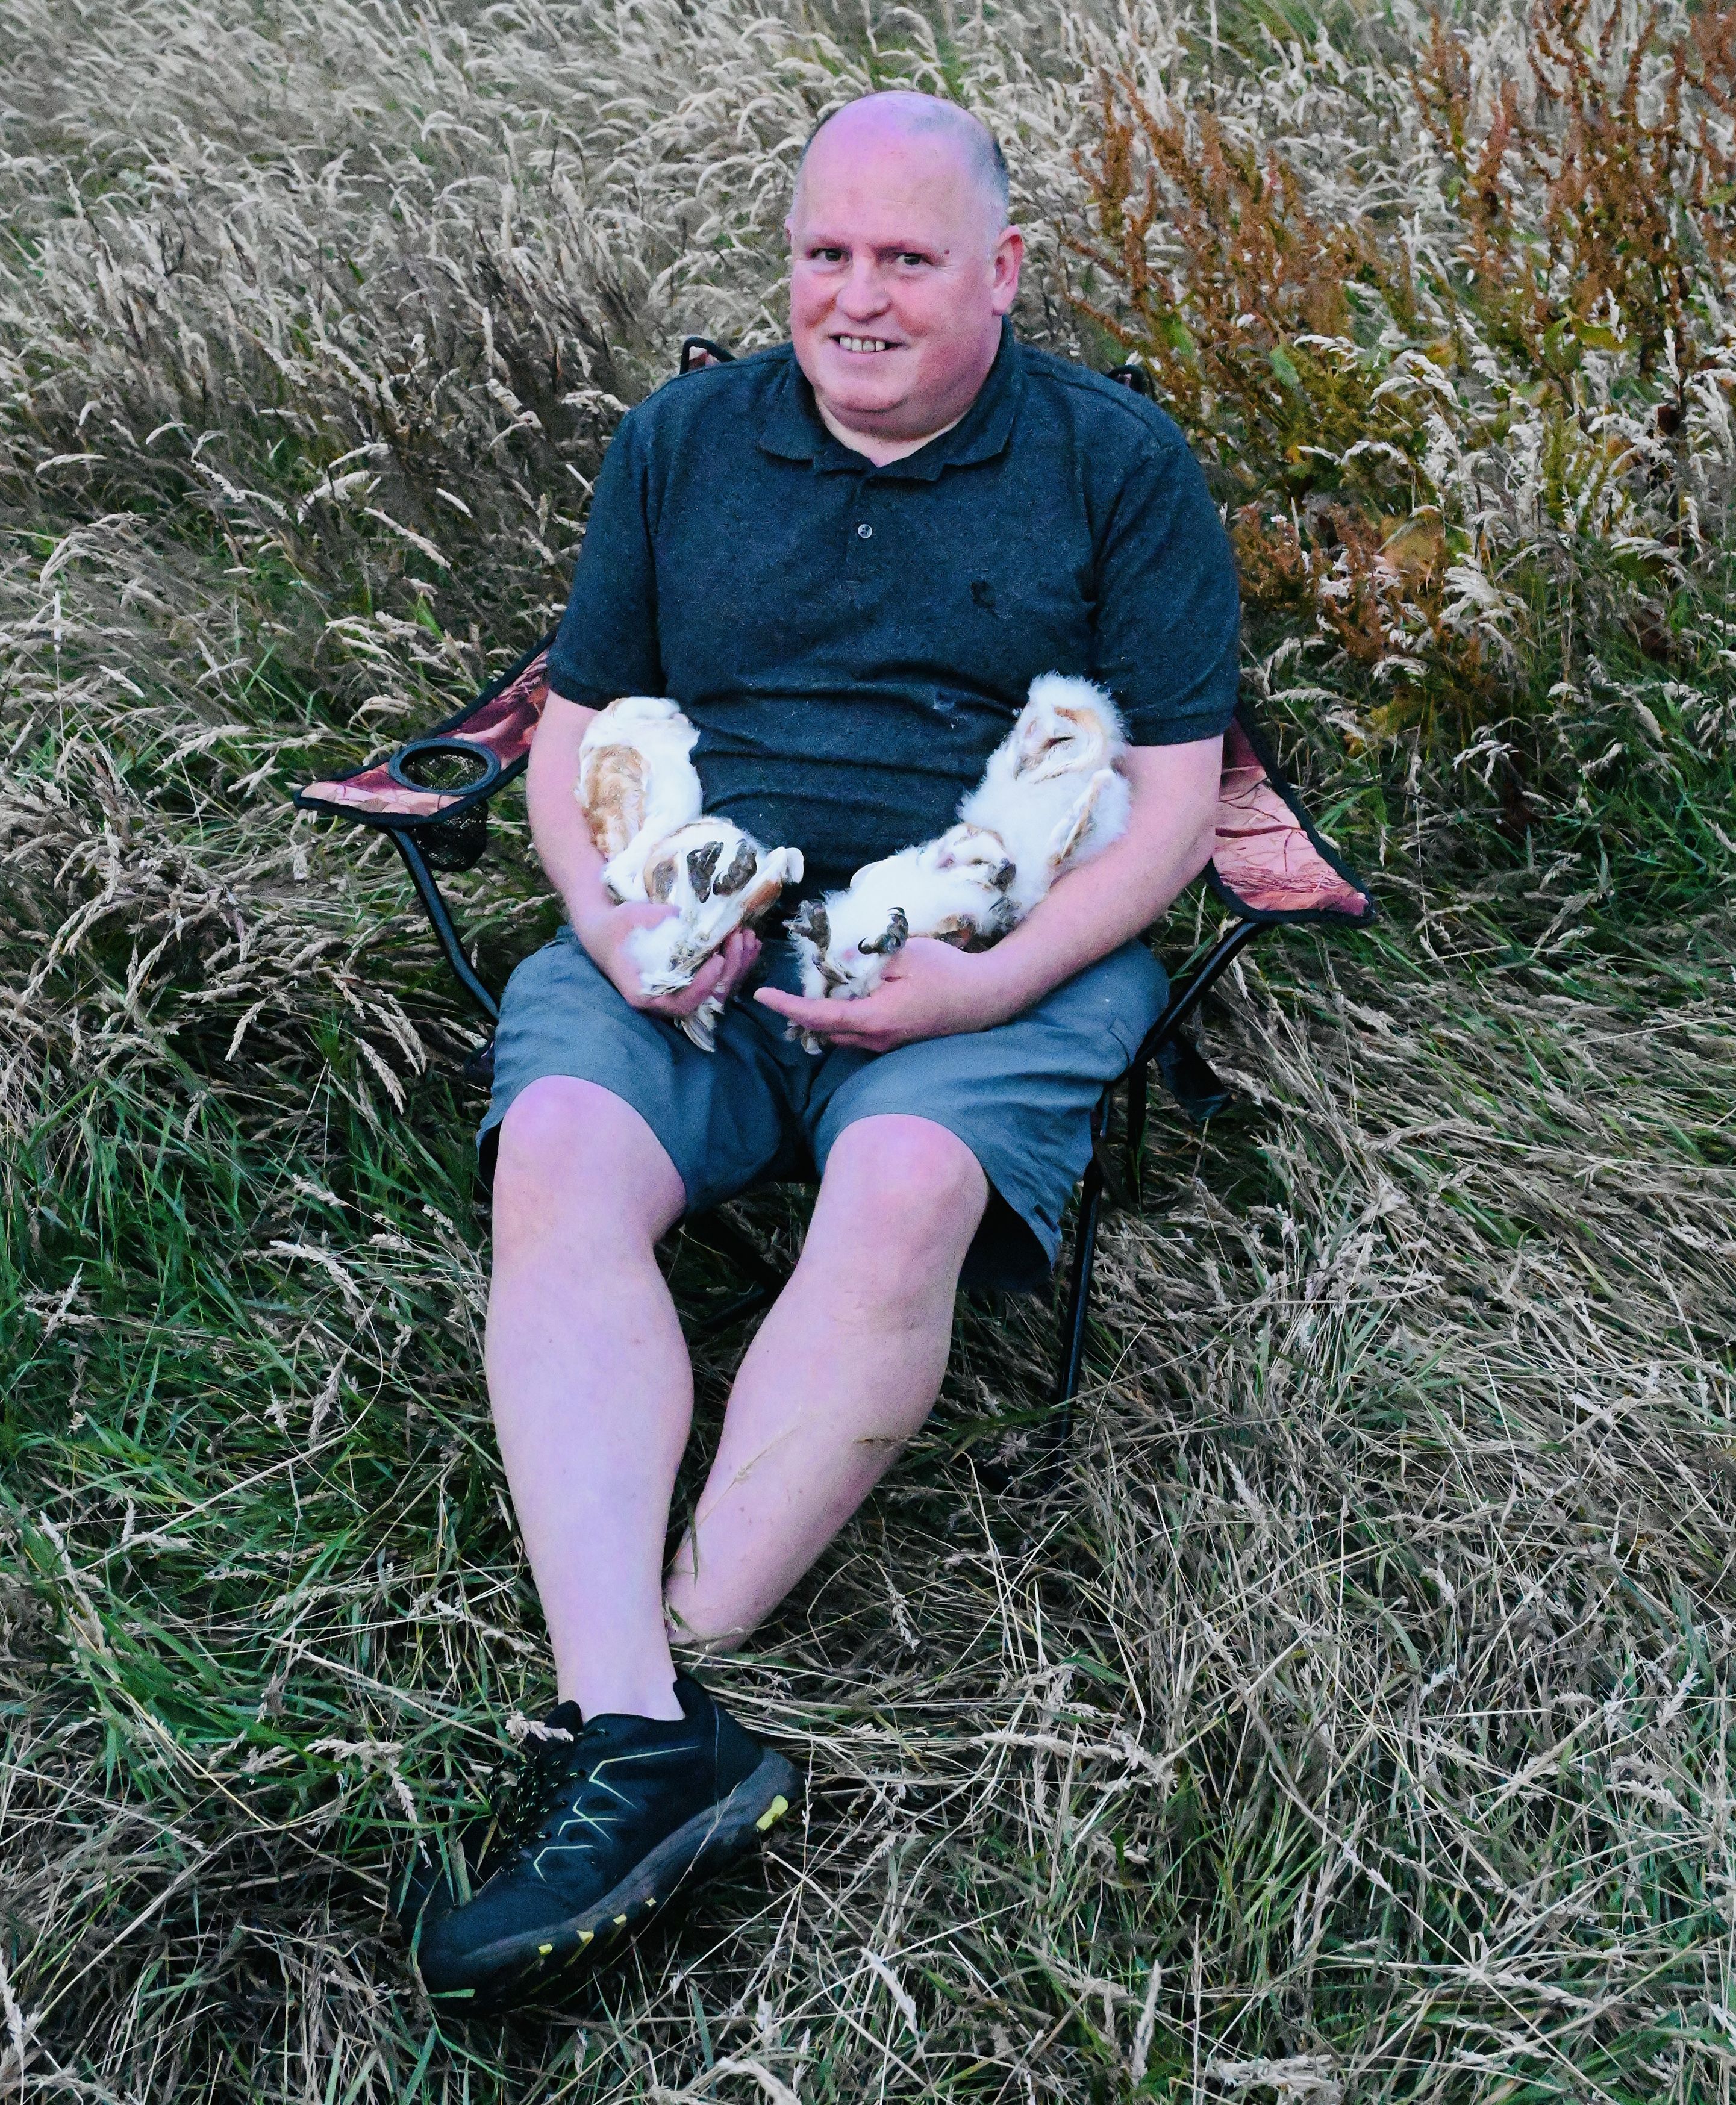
x: 1355, y: 1721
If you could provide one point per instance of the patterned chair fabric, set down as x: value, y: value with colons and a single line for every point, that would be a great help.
x: 1269, y: 863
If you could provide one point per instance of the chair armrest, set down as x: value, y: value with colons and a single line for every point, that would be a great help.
x: 699, y: 351
x: 1270, y: 863
x: 490, y: 736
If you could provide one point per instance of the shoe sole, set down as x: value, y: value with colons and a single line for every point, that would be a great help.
x: 516, y: 1967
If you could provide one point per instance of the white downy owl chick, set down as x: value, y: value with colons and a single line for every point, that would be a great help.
x: 1051, y: 798
x: 636, y: 783
x: 954, y: 888
x: 640, y: 797
x: 1052, y: 790
x: 718, y: 879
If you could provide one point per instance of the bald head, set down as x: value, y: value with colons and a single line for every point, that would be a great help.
x: 873, y: 122
x: 901, y: 265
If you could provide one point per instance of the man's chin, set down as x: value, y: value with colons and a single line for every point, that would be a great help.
x: 872, y: 414
x: 851, y: 385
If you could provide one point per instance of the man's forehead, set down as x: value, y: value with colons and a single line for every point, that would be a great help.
x: 936, y: 213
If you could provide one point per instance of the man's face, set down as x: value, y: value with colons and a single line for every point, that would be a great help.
x: 899, y: 276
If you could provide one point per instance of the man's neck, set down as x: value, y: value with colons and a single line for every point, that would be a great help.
x: 881, y: 451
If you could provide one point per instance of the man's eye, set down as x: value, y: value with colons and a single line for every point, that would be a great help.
x: 826, y: 255
x: 912, y: 255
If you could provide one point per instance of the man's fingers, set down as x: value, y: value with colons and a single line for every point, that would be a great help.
x: 706, y: 981
x: 686, y: 999
x: 821, y: 1016
x: 811, y: 1015
x: 724, y: 972
x: 841, y: 1022
x: 719, y: 977
x: 738, y: 954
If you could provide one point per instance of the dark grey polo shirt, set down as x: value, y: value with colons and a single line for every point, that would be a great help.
x: 854, y: 642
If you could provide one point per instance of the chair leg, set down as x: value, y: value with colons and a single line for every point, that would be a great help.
x: 1078, y: 1305
x: 434, y: 906
x: 1185, y: 999
x: 1138, y: 1084
x: 1181, y: 1005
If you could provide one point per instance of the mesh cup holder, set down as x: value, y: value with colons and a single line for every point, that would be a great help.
x: 454, y: 844
x: 463, y: 767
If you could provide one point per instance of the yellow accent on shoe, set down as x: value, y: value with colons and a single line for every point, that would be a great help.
x: 542, y: 1951
x: 774, y: 1811
x: 585, y: 1936
x: 649, y: 1905
x: 619, y: 1920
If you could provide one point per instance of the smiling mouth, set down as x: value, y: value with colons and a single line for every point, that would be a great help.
x: 863, y: 343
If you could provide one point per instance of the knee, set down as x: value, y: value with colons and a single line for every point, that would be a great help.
x: 570, y: 1155
x: 907, y: 1190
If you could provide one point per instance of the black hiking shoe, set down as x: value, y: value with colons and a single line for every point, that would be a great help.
x: 613, y: 1819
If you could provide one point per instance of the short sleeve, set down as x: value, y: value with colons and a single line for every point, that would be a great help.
x: 1169, y: 614
x: 607, y: 644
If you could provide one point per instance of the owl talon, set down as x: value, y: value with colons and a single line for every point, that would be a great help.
x: 702, y: 1026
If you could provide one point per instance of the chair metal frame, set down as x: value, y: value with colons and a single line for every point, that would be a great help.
x: 1296, y: 877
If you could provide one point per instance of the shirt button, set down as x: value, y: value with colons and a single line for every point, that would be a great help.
x: 865, y: 532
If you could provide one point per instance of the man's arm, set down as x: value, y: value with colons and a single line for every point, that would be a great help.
x: 932, y: 990
x: 563, y: 841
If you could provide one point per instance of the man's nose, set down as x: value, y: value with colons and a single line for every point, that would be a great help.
x: 863, y: 293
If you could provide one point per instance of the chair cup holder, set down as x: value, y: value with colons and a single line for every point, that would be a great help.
x: 454, y: 844
x: 483, y: 763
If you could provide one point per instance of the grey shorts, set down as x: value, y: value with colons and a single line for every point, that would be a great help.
x: 759, y: 1109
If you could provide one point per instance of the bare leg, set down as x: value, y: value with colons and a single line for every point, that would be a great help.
x: 589, y: 1379
x: 844, y: 1369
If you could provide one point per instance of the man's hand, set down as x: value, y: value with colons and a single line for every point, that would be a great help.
x: 605, y: 936
x: 930, y: 990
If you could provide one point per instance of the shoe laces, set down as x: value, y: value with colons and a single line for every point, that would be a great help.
x: 540, y: 1779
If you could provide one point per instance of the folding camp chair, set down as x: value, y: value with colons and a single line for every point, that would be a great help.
x: 1269, y: 865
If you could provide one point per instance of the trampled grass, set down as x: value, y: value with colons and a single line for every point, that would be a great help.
x: 1354, y: 1722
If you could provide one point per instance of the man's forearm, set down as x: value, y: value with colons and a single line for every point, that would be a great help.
x: 557, y: 826
x: 1091, y: 912
x: 1095, y: 909
x: 931, y: 990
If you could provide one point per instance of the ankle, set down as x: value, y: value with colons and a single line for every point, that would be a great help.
x: 649, y: 1692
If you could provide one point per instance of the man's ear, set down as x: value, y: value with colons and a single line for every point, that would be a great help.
x: 1009, y: 253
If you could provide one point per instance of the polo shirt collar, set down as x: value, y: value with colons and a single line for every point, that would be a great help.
x: 793, y: 430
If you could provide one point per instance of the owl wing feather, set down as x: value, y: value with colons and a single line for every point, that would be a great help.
x: 614, y: 788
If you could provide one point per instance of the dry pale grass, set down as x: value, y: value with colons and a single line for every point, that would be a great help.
x: 1354, y: 1721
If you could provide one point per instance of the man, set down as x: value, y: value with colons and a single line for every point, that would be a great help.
x: 847, y: 559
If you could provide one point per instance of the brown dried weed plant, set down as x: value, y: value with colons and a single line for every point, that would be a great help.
x: 1460, y: 395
